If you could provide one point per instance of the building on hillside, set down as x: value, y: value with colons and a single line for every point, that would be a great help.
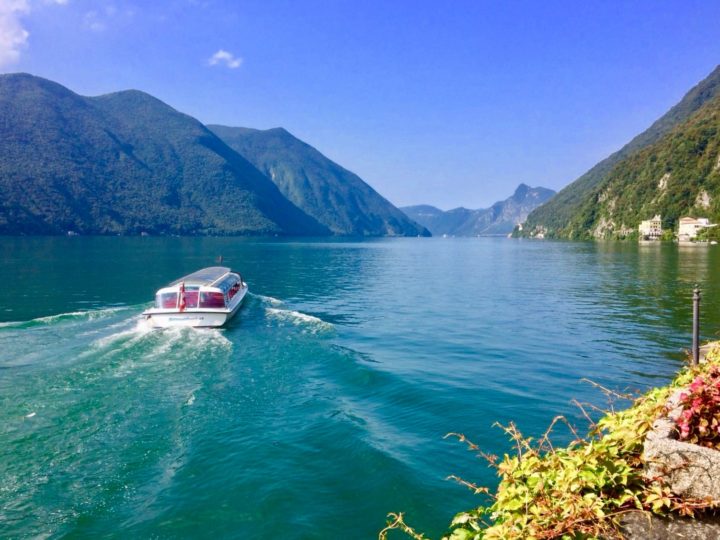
x: 651, y: 229
x: 690, y: 226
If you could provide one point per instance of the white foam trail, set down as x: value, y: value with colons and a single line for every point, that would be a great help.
x: 268, y: 299
x: 106, y: 328
x: 297, y: 318
x: 168, y: 338
x: 90, y: 315
x: 202, y: 337
x: 134, y: 333
x: 143, y: 325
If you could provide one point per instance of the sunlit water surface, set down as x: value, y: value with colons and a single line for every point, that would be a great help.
x: 324, y: 405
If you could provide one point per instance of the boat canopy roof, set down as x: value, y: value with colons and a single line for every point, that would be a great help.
x: 203, y: 278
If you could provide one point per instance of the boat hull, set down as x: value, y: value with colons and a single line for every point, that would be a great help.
x: 193, y: 319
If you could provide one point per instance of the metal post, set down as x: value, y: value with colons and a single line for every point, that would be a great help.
x: 696, y: 326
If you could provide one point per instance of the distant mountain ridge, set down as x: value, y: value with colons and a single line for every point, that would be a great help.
x: 567, y: 215
x: 127, y: 163
x: 499, y: 219
x: 334, y: 196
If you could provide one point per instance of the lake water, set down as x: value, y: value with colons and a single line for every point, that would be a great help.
x: 324, y: 405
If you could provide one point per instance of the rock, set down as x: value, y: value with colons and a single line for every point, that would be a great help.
x: 642, y: 526
x: 689, y: 470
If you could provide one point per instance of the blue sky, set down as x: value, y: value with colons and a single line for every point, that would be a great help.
x: 445, y: 103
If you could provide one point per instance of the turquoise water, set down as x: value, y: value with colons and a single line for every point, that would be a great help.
x: 324, y: 405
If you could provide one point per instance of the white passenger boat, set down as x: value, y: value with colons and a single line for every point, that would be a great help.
x: 208, y: 297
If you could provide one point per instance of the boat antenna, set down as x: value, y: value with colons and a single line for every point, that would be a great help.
x: 219, y: 259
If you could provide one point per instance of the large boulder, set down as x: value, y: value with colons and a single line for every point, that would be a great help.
x: 691, y: 471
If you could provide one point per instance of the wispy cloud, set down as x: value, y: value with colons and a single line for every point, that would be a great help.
x: 13, y: 36
x: 225, y: 57
x: 98, y: 20
x: 93, y: 21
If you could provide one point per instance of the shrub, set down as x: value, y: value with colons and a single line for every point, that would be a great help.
x: 699, y: 421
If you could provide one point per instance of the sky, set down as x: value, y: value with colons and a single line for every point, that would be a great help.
x: 448, y: 103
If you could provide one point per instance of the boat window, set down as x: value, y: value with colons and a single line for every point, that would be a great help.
x: 166, y: 300
x: 227, y: 282
x: 191, y: 298
x: 212, y: 300
x: 234, y: 289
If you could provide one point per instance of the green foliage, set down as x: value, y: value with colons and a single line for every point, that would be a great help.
x: 576, y: 492
x: 667, y: 235
x: 623, y: 188
x: 708, y: 234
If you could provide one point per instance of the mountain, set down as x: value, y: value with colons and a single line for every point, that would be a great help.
x: 676, y: 176
x: 334, y: 196
x: 499, y: 219
x: 125, y: 163
x: 560, y: 216
x: 433, y: 219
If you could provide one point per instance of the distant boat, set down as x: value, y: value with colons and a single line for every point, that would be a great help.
x: 208, y: 297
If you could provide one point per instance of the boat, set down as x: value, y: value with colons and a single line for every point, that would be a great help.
x: 207, y: 298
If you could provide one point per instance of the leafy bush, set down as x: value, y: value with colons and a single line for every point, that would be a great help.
x: 709, y: 233
x: 699, y: 421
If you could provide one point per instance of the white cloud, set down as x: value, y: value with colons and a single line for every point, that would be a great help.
x: 223, y: 56
x: 13, y: 36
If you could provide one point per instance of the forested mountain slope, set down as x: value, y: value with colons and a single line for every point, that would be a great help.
x: 560, y: 216
x: 125, y: 163
x: 334, y: 196
x: 679, y: 175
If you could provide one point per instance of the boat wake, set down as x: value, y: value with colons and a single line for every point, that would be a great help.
x: 104, y: 334
x: 154, y: 344
x: 309, y: 322
x: 121, y: 336
x: 274, y: 310
x: 73, y: 316
x: 267, y: 299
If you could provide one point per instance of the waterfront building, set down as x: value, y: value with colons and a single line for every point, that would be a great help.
x: 651, y: 229
x: 690, y: 226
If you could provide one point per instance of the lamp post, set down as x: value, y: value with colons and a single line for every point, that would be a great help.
x: 696, y: 326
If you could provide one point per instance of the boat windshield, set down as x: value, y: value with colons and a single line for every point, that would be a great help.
x: 166, y: 300
x: 169, y: 300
